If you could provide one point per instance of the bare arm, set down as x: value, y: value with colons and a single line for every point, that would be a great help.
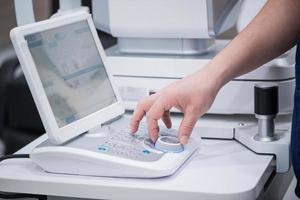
x: 273, y: 31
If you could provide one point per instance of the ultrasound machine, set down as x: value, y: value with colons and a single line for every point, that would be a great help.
x: 85, y: 96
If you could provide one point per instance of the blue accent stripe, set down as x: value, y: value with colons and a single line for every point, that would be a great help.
x: 35, y: 44
x: 166, y: 151
x: 83, y: 71
x: 70, y: 119
x: 82, y: 30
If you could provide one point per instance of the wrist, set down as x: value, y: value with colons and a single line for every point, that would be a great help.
x: 206, y: 78
x: 213, y: 77
x: 219, y: 72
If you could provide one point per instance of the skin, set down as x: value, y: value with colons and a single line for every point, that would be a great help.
x: 272, y: 32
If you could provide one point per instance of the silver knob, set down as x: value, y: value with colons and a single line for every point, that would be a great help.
x: 169, y: 144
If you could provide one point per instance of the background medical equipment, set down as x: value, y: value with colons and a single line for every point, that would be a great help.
x: 160, y: 42
x: 64, y: 65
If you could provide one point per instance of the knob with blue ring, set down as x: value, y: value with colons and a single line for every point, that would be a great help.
x: 169, y: 144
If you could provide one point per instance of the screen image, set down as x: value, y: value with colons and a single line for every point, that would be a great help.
x: 71, y: 70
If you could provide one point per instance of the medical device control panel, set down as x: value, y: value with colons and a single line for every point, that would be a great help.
x: 121, y: 143
x: 118, y: 141
x: 167, y: 141
x: 105, y: 150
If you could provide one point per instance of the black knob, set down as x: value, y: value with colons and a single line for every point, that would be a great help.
x: 266, y: 99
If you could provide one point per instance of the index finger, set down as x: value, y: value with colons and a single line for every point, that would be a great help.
x: 155, y: 113
x: 139, y: 112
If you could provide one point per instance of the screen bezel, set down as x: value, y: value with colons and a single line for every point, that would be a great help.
x: 56, y: 134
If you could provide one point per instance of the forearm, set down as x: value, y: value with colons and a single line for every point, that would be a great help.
x: 272, y: 32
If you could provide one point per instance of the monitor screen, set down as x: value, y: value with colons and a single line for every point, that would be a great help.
x: 71, y: 71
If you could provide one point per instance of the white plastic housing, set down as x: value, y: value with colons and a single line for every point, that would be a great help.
x: 77, y: 161
x: 163, y: 19
x: 137, y: 76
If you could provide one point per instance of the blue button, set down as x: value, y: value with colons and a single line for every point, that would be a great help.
x: 146, y: 152
x: 102, y: 148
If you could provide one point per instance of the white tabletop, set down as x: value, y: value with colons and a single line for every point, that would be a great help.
x: 220, y: 170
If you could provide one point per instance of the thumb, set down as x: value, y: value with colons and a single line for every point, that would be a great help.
x: 186, y: 127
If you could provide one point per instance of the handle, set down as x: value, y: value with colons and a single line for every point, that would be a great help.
x: 266, y: 109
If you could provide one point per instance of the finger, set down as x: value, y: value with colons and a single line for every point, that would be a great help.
x: 184, y: 139
x: 139, y: 112
x: 186, y: 126
x: 167, y: 119
x: 154, y: 114
x: 153, y: 129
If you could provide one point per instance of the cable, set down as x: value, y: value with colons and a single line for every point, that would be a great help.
x: 14, y: 156
x: 8, y: 195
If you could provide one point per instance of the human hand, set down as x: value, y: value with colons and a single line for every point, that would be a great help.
x: 192, y: 95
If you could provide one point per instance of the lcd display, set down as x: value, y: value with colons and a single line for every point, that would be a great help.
x: 72, y: 72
